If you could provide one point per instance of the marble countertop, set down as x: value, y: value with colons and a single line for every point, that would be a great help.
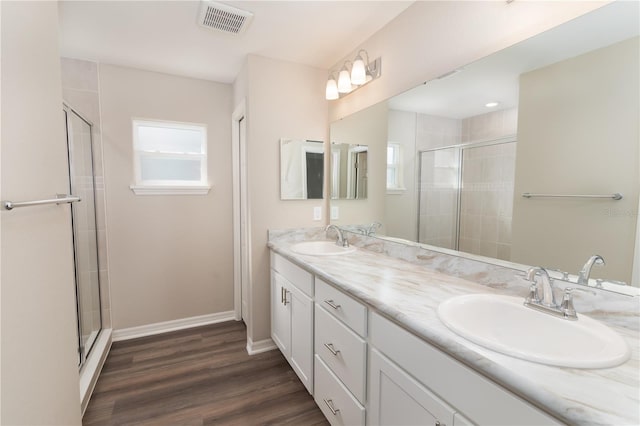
x: 409, y: 294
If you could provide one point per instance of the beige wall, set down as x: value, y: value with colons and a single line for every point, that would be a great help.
x: 401, y: 209
x: 367, y: 127
x: 283, y: 99
x: 40, y: 383
x: 581, y: 146
x: 170, y: 256
x: 431, y: 38
x: 81, y: 92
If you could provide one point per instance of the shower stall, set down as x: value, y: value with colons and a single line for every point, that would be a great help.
x: 466, y: 197
x: 85, y: 232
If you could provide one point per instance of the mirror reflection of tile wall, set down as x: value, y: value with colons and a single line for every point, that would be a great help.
x: 486, y: 202
x: 439, y: 186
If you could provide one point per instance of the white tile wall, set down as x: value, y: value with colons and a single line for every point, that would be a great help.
x: 80, y: 90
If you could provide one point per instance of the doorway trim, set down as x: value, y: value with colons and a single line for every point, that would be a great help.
x: 240, y: 209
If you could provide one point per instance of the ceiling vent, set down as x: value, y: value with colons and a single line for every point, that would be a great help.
x: 224, y: 18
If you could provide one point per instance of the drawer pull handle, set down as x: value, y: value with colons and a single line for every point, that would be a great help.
x: 332, y: 304
x: 282, y: 295
x: 331, y: 349
x: 285, y: 297
x: 329, y: 403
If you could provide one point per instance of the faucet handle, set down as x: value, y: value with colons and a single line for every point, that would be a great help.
x: 532, y: 297
x: 567, y: 302
x: 566, y: 306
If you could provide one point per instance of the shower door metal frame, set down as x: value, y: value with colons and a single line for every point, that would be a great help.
x: 83, y: 352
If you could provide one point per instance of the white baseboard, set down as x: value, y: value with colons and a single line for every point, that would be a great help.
x: 166, y: 326
x: 260, y: 346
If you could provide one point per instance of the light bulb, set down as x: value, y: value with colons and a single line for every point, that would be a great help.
x: 332, y: 89
x: 358, y: 71
x: 344, y: 82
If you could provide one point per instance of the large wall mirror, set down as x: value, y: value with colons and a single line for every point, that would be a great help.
x: 349, y: 171
x: 518, y: 156
x: 301, y: 169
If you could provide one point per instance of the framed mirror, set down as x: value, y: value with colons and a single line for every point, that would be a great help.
x: 301, y: 169
x: 555, y: 117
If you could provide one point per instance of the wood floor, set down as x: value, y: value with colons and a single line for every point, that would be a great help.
x: 200, y: 376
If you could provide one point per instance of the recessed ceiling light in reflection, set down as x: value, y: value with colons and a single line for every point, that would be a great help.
x: 492, y: 104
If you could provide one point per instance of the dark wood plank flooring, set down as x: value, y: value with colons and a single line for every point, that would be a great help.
x: 199, y: 376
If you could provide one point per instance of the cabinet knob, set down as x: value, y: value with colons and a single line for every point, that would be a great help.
x: 333, y: 409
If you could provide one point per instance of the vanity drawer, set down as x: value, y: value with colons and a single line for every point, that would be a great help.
x: 341, y: 306
x: 293, y: 273
x: 335, y: 401
x: 343, y: 351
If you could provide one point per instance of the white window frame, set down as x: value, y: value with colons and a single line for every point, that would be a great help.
x: 399, y: 187
x: 168, y: 187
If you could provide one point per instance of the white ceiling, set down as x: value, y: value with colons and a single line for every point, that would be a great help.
x: 163, y: 35
x: 496, y: 77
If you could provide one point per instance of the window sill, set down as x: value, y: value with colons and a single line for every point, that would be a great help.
x: 170, y: 190
x: 396, y: 191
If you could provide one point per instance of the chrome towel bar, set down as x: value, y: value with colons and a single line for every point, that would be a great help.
x: 60, y: 199
x: 616, y: 196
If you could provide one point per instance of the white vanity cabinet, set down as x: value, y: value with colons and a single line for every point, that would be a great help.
x: 292, y: 316
x: 341, y: 356
x: 363, y: 368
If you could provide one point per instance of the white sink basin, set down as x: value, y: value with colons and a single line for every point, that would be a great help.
x: 504, y: 324
x: 321, y: 248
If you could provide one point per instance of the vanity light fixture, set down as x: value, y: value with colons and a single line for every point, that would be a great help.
x: 332, y: 88
x: 353, y: 75
x: 344, y: 81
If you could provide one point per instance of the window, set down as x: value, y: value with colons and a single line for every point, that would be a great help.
x: 394, y: 169
x: 169, y: 158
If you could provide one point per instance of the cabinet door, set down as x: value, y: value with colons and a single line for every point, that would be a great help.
x: 301, y: 307
x: 398, y: 399
x: 280, y: 314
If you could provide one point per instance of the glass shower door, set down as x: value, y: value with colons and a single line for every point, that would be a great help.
x: 85, y: 237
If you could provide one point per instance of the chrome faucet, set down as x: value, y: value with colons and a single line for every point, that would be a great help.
x: 583, y: 277
x: 548, y: 299
x: 341, y: 241
x: 547, y: 303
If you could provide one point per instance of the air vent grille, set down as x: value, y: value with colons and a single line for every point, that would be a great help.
x: 224, y: 18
